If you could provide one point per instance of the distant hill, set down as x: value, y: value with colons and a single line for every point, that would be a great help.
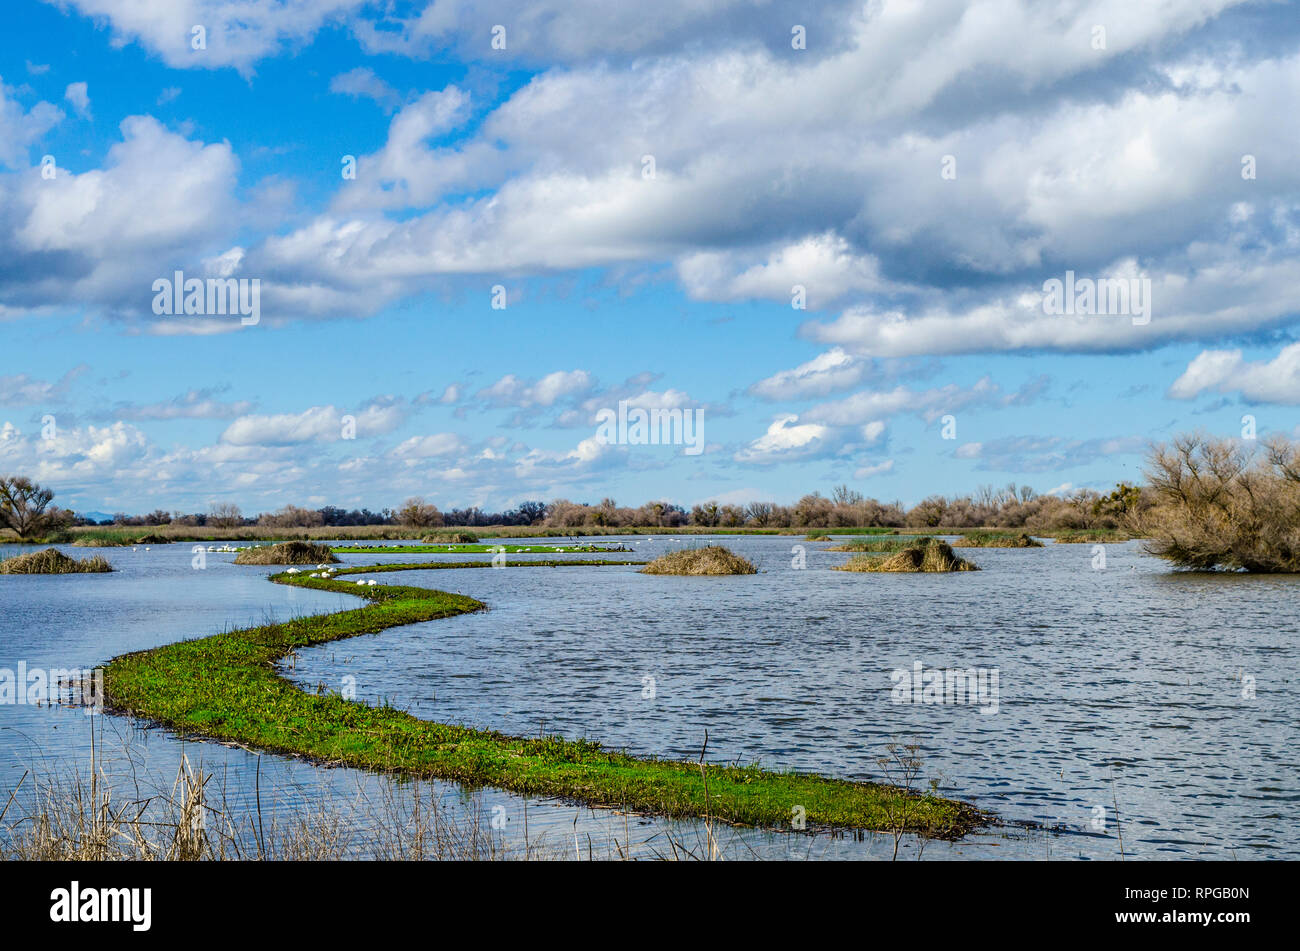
x: 96, y: 516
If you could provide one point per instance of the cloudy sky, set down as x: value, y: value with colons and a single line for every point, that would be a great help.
x: 828, y: 226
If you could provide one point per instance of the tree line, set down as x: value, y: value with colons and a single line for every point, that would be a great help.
x: 1206, y: 503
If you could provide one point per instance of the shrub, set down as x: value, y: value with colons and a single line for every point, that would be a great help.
x: 710, y: 560
x: 51, y: 561
x: 287, y: 553
x: 1218, y: 504
x: 930, y: 557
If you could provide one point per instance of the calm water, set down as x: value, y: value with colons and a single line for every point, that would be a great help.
x: 1119, y: 686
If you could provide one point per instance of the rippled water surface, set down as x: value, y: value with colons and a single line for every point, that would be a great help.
x: 1127, y: 686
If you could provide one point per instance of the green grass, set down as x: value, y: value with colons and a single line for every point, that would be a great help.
x: 473, y: 549
x: 882, y: 544
x: 998, y: 540
x: 226, y: 687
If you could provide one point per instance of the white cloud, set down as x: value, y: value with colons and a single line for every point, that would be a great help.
x: 317, y: 424
x: 78, y: 97
x: 824, y: 374
x: 511, y: 391
x: 786, y: 438
x: 1226, y: 371
x: 20, y: 128
x: 866, y: 472
x: 237, y: 32
x: 364, y: 84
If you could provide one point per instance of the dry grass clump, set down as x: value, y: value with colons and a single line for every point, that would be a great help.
x: 455, y: 538
x: 1219, y: 505
x: 710, y: 560
x: 817, y: 537
x: 933, y: 556
x: 998, y: 540
x: 51, y: 561
x: 287, y: 553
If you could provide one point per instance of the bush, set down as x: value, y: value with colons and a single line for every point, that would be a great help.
x: 287, y: 553
x: 51, y: 561
x: 1219, y: 504
x: 710, y: 560
x: 933, y: 556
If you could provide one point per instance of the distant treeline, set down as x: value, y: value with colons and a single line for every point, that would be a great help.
x: 1009, y: 507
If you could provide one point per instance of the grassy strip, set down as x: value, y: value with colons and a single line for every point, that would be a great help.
x: 473, y: 549
x: 226, y: 687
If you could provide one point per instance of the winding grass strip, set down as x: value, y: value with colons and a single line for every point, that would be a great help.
x: 226, y: 687
x: 474, y: 549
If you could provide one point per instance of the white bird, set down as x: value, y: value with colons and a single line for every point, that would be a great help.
x: 372, y: 581
x: 361, y: 582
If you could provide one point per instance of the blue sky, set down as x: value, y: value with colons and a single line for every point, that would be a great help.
x: 919, y: 169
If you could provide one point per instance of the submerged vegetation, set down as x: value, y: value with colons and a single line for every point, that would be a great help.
x: 51, y: 561
x: 925, y: 555
x: 709, y: 560
x: 226, y: 687
x: 997, y: 540
x: 287, y: 553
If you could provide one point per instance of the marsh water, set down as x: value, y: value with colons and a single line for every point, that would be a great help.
x: 1132, y: 702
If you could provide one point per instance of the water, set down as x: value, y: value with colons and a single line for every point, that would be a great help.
x: 1122, y: 686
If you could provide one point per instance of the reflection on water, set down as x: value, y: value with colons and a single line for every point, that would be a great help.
x: 1129, y: 686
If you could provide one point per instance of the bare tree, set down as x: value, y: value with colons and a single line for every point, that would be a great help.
x: 24, y: 505
x: 418, y: 513
x: 225, y: 515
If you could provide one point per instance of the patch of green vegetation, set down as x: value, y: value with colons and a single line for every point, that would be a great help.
x: 881, y: 544
x: 1082, y: 536
x: 226, y: 687
x: 998, y: 540
x: 51, y: 561
x: 475, y: 549
x: 436, y: 565
x: 817, y: 537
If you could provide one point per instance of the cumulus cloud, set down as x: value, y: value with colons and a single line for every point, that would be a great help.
x: 786, y: 439
x: 21, y: 128
x: 826, y: 373
x: 101, y: 237
x: 1227, y: 371
x: 236, y: 33
x: 317, y: 424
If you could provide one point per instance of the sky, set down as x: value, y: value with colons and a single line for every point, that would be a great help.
x: 828, y: 229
